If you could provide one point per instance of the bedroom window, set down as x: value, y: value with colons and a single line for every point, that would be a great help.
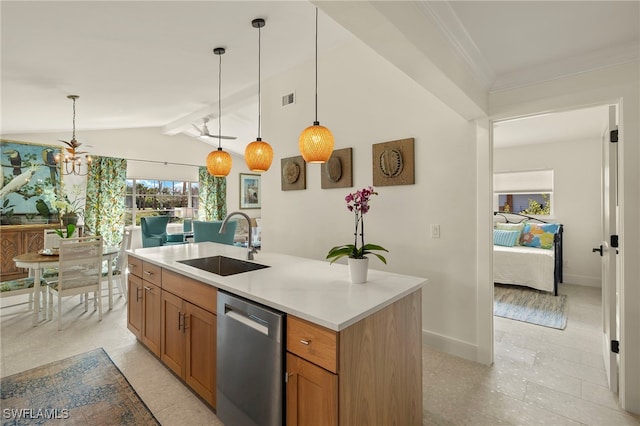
x: 526, y: 192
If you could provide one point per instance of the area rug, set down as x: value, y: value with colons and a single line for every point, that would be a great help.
x: 529, y: 305
x: 86, y: 389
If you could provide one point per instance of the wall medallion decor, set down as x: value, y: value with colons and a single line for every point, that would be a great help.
x: 394, y: 163
x: 30, y: 177
x: 293, y: 174
x: 337, y: 171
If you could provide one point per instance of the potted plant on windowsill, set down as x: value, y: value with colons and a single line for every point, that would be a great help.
x: 358, y: 203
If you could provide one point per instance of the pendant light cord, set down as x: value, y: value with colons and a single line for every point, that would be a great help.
x: 259, y: 94
x: 219, y: 104
x: 73, y: 136
x: 316, y: 64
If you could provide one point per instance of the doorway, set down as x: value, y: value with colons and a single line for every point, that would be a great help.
x: 570, y: 144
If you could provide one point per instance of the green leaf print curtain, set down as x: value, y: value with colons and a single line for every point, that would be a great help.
x: 105, y: 209
x: 213, y: 196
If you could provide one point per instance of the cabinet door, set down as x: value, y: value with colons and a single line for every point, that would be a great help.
x: 312, y: 394
x: 151, y: 316
x: 173, y: 333
x: 33, y: 240
x: 201, y: 352
x: 10, y: 247
x: 134, y: 305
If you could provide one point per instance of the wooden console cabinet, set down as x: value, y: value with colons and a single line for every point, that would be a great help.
x: 19, y: 239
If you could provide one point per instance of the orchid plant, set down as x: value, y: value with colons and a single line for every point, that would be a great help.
x: 358, y: 203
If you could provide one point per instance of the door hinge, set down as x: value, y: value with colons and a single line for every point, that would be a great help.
x: 613, y: 136
x: 615, y: 346
x: 614, y: 241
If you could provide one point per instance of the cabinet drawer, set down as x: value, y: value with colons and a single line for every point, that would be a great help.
x: 312, y: 342
x: 193, y: 291
x: 152, y: 273
x: 135, y: 266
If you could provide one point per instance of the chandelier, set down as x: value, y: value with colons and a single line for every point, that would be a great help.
x: 73, y: 158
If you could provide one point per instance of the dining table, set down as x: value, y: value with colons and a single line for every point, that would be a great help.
x: 36, y: 261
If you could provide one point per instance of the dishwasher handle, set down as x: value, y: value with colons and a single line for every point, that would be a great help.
x: 248, y: 320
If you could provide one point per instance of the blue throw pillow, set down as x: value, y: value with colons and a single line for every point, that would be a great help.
x: 505, y: 238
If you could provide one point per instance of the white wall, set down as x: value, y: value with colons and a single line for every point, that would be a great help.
x: 576, y: 197
x: 365, y: 100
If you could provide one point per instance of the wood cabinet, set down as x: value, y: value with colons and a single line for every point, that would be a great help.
x: 19, y: 239
x: 369, y: 373
x: 189, y: 332
x: 151, y: 314
x: 144, y: 303
x: 175, y: 318
x: 134, y: 305
x: 312, y: 394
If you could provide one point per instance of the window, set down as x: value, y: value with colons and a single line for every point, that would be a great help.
x: 151, y: 197
x: 526, y: 192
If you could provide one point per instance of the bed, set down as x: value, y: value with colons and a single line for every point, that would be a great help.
x: 533, y: 257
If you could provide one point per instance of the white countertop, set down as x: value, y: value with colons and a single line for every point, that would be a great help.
x: 310, y: 289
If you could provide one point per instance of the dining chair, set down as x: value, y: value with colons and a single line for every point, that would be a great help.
x: 210, y: 231
x: 21, y: 286
x: 79, y: 272
x: 119, y: 269
x: 52, y: 241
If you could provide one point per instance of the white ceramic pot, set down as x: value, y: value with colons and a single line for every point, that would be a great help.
x: 358, y: 270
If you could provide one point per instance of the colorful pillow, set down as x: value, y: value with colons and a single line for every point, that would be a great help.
x: 512, y: 227
x: 505, y: 238
x: 539, y: 235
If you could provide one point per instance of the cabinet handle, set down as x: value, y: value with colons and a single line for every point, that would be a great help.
x: 179, y: 320
x: 185, y: 317
x: 138, y: 297
x: 147, y: 273
x: 148, y: 288
x: 305, y: 342
x: 131, y: 265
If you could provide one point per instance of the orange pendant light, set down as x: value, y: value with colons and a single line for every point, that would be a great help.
x: 316, y: 141
x: 258, y: 154
x: 219, y: 162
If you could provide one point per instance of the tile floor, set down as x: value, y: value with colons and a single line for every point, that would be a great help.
x: 540, y: 376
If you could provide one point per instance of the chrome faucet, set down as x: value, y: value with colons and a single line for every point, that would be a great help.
x: 251, y: 249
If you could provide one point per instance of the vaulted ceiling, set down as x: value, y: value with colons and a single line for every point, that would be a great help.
x: 150, y: 63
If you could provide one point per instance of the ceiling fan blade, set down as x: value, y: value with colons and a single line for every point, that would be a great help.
x: 198, y: 129
x: 219, y: 137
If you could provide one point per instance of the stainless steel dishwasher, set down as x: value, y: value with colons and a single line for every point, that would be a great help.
x: 250, y: 366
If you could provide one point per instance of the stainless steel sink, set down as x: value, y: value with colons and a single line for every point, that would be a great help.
x: 222, y: 265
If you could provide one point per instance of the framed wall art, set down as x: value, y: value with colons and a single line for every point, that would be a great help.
x: 30, y: 176
x: 250, y: 196
x: 293, y: 173
x: 337, y: 173
x: 394, y: 163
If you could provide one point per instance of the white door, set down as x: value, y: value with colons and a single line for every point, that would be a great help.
x: 608, y: 253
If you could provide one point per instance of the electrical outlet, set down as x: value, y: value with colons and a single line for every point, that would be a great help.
x: 435, y: 231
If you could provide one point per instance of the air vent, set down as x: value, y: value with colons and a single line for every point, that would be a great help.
x: 289, y: 98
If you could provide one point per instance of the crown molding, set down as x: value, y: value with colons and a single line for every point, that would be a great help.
x: 574, y: 65
x: 442, y: 15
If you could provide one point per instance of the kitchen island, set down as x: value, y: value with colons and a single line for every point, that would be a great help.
x: 353, y: 350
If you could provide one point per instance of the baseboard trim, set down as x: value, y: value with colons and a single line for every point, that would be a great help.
x: 450, y: 345
x: 582, y: 280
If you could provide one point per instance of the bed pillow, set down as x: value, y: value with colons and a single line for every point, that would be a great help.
x: 539, y: 235
x: 505, y: 238
x: 512, y: 227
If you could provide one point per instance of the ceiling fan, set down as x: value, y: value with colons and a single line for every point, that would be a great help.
x: 204, y: 132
